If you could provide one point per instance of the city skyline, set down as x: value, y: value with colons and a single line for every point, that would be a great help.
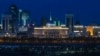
x: 84, y: 11
x: 49, y: 28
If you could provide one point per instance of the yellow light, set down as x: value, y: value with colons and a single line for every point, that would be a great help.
x: 50, y: 28
x: 90, y: 29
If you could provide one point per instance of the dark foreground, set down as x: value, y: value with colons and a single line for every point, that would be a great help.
x: 49, y: 47
x: 49, y: 50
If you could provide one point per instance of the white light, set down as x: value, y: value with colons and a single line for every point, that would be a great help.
x: 50, y: 25
x: 23, y: 29
x: 63, y: 25
x: 96, y: 26
x: 81, y: 26
x: 78, y: 31
x: 33, y: 24
x: 7, y: 33
x: 50, y: 28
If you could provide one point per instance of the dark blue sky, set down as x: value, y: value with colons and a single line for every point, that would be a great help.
x: 87, y: 11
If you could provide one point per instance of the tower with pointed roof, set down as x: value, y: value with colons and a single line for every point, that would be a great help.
x: 50, y: 17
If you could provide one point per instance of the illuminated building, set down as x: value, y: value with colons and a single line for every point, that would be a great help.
x: 96, y: 30
x: 1, y: 28
x: 23, y: 21
x: 25, y: 17
x: 79, y: 30
x: 90, y: 30
x: 93, y: 30
x: 50, y: 32
x: 6, y: 19
x: 23, y: 29
x: 6, y: 26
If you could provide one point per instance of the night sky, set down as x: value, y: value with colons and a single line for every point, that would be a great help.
x: 87, y: 11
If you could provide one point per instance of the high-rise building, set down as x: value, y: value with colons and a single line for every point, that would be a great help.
x: 69, y: 22
x: 19, y: 17
x: 69, y: 19
x: 13, y: 10
x: 24, y: 18
x: 6, y: 19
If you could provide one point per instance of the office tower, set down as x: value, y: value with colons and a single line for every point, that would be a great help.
x: 24, y: 18
x: 13, y: 10
x: 43, y: 21
x: 6, y: 19
x: 69, y: 22
x: 19, y: 17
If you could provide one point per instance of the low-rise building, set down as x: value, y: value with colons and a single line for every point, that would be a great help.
x: 50, y: 32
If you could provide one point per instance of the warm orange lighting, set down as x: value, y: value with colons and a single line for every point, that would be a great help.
x: 90, y: 29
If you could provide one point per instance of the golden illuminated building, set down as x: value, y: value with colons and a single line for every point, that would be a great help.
x: 90, y: 30
x: 50, y: 32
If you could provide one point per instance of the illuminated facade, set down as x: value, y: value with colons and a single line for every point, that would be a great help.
x: 6, y: 19
x: 50, y: 32
x: 79, y: 30
x: 25, y: 17
x: 96, y: 30
x: 90, y: 30
x: 93, y: 30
